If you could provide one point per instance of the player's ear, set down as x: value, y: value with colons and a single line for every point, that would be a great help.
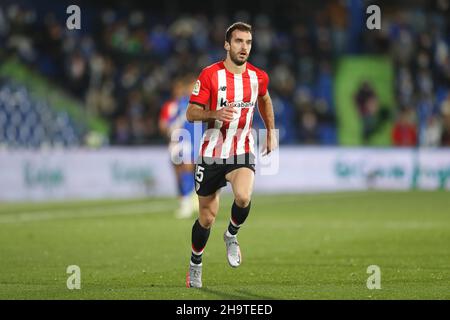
x: 226, y: 46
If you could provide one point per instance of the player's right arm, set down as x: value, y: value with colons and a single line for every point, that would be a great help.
x: 198, y: 113
x: 200, y: 98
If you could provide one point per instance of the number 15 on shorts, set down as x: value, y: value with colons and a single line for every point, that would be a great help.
x: 198, y: 176
x: 199, y: 173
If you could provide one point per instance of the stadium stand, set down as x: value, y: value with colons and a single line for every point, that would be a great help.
x: 121, y: 63
x: 26, y: 122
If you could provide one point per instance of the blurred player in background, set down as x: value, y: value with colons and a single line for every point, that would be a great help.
x: 173, y: 117
x: 225, y: 96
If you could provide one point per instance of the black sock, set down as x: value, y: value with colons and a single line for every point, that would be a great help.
x: 238, y: 216
x: 200, y: 236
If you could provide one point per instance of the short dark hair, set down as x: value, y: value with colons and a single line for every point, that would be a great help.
x: 241, y: 26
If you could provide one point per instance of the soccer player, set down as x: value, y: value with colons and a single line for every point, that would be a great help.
x: 173, y: 117
x: 225, y: 96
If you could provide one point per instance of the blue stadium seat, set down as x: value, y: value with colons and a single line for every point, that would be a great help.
x: 26, y: 122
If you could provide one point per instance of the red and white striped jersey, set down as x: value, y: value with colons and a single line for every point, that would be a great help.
x: 216, y: 88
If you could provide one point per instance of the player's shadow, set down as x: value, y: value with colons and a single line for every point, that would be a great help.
x: 239, y: 295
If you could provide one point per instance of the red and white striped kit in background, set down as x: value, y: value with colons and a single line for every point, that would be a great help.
x: 216, y: 88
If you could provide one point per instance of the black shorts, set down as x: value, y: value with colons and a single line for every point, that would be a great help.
x: 210, y: 172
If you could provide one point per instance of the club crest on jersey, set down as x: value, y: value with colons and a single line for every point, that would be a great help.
x: 196, y: 90
x: 223, y: 88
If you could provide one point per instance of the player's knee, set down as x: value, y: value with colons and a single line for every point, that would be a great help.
x: 207, y: 218
x: 242, y: 199
x: 207, y: 222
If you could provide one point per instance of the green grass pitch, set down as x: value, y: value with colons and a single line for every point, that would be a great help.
x: 308, y: 246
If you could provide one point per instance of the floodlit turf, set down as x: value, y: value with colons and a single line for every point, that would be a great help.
x: 294, y: 247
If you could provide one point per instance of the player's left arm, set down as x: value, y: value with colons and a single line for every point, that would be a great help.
x: 265, y: 108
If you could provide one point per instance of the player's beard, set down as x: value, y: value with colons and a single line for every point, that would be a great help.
x: 236, y: 60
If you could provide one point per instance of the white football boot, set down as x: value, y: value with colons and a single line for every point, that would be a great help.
x: 194, y: 276
x: 233, y: 251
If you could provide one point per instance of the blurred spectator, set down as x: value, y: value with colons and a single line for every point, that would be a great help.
x: 445, y: 109
x: 432, y: 132
x: 308, y: 128
x: 372, y: 115
x: 121, y: 133
x: 404, y: 132
x: 77, y: 74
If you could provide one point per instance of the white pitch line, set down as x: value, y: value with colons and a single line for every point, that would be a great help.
x: 121, y: 210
